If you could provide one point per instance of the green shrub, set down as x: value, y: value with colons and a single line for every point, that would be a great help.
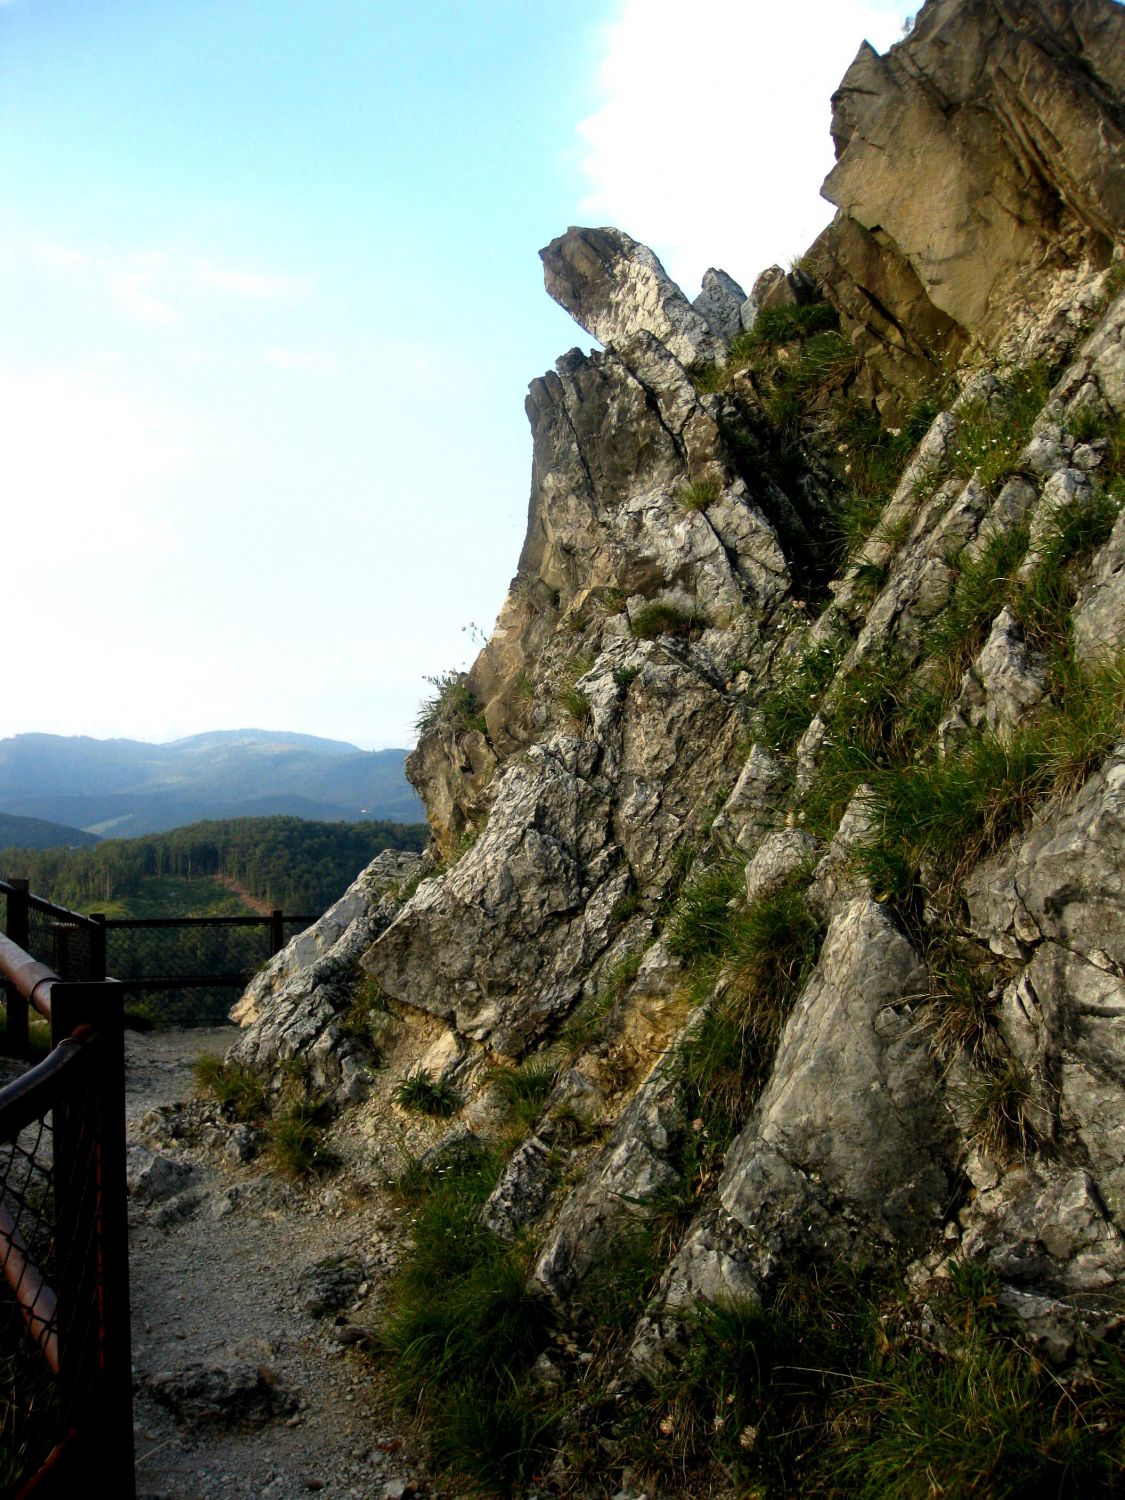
x: 420, y: 1091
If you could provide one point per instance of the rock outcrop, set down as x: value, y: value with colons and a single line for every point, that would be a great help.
x: 774, y: 739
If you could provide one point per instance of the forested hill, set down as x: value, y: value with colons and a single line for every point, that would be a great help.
x: 292, y: 863
x: 125, y: 788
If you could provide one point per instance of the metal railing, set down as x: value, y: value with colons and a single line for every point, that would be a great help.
x: 189, y: 970
x: 175, y: 971
x: 65, y: 1378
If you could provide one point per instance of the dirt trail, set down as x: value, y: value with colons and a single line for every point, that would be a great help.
x: 218, y: 1248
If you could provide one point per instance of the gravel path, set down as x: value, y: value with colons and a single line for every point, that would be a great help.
x: 250, y: 1373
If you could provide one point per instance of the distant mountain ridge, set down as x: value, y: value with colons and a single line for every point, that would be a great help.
x: 122, y: 788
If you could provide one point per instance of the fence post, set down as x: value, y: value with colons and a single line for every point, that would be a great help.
x: 98, y: 958
x: 277, y: 932
x: 17, y: 1040
x: 95, y: 1359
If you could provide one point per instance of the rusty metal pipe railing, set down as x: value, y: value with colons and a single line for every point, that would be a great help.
x: 37, y: 1301
x: 31, y: 979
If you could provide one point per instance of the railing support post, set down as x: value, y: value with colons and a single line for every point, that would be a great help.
x: 91, y: 1220
x: 277, y: 932
x: 17, y: 1040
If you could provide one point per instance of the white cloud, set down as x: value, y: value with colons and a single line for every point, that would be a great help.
x: 713, y: 138
x: 159, y: 286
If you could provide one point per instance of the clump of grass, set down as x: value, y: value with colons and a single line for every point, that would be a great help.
x: 662, y: 618
x: 623, y: 676
x: 578, y: 707
x: 984, y: 585
x: 452, y: 702
x: 460, y: 1330
x: 1003, y: 1110
x: 783, y: 325
x: 992, y: 430
x: 703, y: 915
x: 760, y: 957
x: 961, y: 1009
x: 586, y: 1025
x: 367, y: 1003
x: 238, y: 1087
x: 421, y: 1092
x: 699, y: 494
x: 948, y: 811
x: 297, y: 1141
x: 524, y: 1088
x: 783, y: 714
x: 988, y: 1419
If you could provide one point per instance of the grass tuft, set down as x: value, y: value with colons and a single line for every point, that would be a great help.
x: 237, y: 1086
x: 421, y: 1092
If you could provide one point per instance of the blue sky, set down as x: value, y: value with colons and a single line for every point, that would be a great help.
x: 270, y: 300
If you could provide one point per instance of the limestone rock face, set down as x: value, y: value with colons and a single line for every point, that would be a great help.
x: 699, y: 707
x: 850, y: 1127
x: 614, y: 287
x: 1013, y: 115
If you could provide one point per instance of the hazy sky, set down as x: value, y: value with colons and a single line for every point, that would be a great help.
x: 270, y: 300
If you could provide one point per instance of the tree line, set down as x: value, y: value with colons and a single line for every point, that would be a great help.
x: 293, y: 863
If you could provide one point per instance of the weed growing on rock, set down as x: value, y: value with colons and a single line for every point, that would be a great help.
x: 578, y: 707
x: 1003, y: 1111
x: 421, y: 1092
x: 992, y: 430
x: 755, y: 960
x: 782, y: 715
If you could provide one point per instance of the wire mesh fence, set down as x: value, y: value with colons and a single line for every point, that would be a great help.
x: 29, y: 1405
x: 189, y: 971
x: 64, y: 1342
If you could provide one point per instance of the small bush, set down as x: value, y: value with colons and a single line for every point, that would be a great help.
x: 421, y: 1092
x: 660, y: 618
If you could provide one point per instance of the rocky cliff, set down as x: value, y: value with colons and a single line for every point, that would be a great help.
x: 756, y: 1021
